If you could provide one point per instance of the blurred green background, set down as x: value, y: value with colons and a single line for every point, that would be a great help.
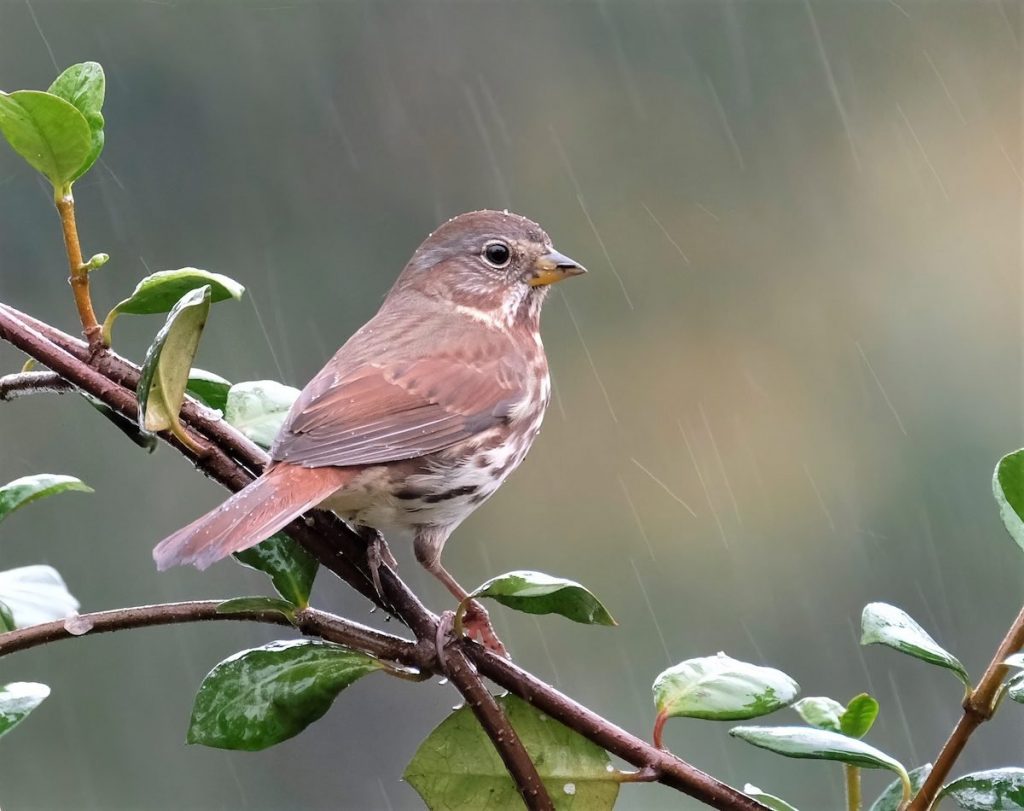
x: 780, y: 391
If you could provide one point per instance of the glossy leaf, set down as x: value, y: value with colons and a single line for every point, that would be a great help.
x: 820, y: 712
x: 165, y: 371
x: 84, y: 86
x: 538, y: 593
x: 6, y: 618
x: 128, y: 427
x: 1008, y: 488
x: 209, y: 388
x: 991, y: 790
x: 457, y: 768
x: 258, y: 407
x: 48, y: 132
x: 859, y: 716
x: 769, y: 800
x: 17, y: 700
x: 265, y: 695
x: 238, y: 605
x: 159, y: 292
x: 817, y: 744
x: 291, y: 568
x: 892, y: 798
x: 720, y: 688
x: 1015, y: 688
x: 885, y: 624
x: 36, y: 594
x: 27, y: 489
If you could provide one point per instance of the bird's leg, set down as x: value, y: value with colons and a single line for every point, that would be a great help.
x: 475, y: 620
x: 377, y: 552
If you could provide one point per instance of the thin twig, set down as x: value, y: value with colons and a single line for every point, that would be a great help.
x: 309, y: 621
x: 978, y: 708
x: 79, y: 277
x: 232, y: 460
x: 493, y: 720
x: 25, y: 383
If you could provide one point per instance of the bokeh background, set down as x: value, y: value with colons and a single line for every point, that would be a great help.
x: 780, y: 392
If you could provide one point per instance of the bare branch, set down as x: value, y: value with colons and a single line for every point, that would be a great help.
x: 20, y: 385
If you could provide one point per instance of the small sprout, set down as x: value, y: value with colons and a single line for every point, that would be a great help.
x: 97, y: 261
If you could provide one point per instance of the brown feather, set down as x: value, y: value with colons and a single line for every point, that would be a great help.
x: 251, y: 515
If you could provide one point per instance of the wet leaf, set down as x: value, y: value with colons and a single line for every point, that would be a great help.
x: 48, y: 132
x: 159, y: 292
x: 820, y: 712
x: 17, y: 700
x: 992, y: 790
x: 83, y: 86
x: 36, y: 594
x: 265, y: 695
x: 892, y: 797
x: 210, y: 388
x: 245, y: 604
x: 291, y: 568
x: 859, y: 716
x: 258, y: 407
x: 1008, y: 488
x: 165, y: 371
x: 720, y: 688
x: 885, y: 624
x: 27, y: 489
x: 1015, y: 688
x: 539, y: 593
x: 818, y: 744
x: 769, y: 800
x: 457, y: 768
x: 6, y: 618
x: 128, y: 427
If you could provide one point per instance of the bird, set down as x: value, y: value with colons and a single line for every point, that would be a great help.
x: 422, y: 414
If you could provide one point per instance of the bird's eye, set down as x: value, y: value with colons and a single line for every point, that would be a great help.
x: 497, y: 254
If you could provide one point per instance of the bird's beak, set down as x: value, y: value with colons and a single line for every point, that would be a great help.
x: 553, y: 267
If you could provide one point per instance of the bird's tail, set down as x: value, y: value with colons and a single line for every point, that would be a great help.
x: 251, y: 515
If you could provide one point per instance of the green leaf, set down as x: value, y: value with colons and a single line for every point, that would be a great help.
x: 457, y: 768
x: 36, y: 594
x: 48, y: 132
x: 239, y: 605
x: 84, y: 85
x: 265, y: 695
x: 208, y: 387
x: 6, y: 618
x: 257, y: 408
x: 992, y: 790
x: 538, y: 593
x: 859, y: 716
x: 17, y: 700
x: 1015, y: 688
x: 884, y: 624
x: 1008, y: 488
x: 892, y: 798
x: 168, y: 361
x: 27, y: 489
x: 128, y: 427
x: 821, y: 712
x: 818, y: 744
x: 770, y: 800
x: 291, y: 568
x: 720, y: 688
x: 159, y: 293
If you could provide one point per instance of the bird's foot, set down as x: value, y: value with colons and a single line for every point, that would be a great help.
x: 377, y: 554
x: 477, y: 625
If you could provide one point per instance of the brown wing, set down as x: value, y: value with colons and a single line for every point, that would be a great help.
x: 382, y: 412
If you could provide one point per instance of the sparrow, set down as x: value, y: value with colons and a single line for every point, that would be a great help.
x: 422, y: 413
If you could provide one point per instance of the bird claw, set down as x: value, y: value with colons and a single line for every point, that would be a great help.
x: 476, y: 623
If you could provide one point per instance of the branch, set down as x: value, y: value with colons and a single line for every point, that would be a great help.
x: 232, y: 460
x: 19, y: 385
x: 308, y: 621
x: 978, y: 708
x: 492, y: 718
x: 79, y: 277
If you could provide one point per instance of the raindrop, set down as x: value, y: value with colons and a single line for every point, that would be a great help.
x: 569, y: 788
